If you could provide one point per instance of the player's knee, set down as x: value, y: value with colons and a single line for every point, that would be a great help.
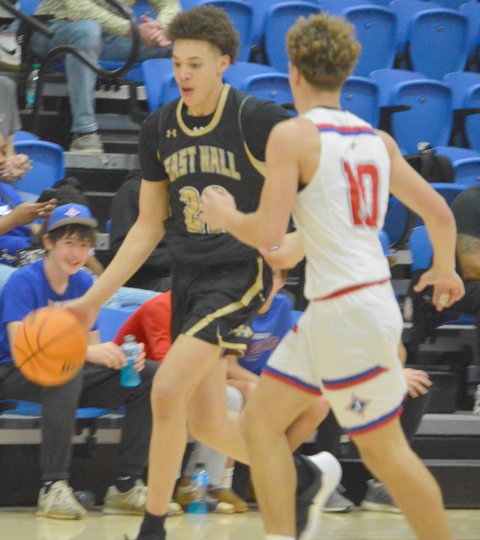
x: 164, y: 398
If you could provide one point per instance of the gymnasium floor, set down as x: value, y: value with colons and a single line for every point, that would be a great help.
x: 21, y: 524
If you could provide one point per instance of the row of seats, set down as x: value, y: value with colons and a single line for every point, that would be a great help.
x: 428, y: 37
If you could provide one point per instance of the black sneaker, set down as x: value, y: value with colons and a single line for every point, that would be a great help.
x: 326, y: 473
x: 161, y: 536
x: 338, y: 503
x: 378, y: 499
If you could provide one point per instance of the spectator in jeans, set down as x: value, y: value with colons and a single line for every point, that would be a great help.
x: 95, y: 28
x: 70, y: 233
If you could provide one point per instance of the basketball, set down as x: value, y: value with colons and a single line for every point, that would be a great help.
x: 50, y: 346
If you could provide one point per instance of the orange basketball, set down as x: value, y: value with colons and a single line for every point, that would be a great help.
x: 50, y: 346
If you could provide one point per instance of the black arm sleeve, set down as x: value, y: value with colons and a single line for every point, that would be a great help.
x: 258, y: 119
x: 151, y: 167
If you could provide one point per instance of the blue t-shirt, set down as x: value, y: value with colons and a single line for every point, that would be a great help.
x: 28, y: 289
x: 20, y: 237
x: 268, y: 330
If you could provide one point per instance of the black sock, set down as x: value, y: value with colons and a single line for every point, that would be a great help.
x: 152, y: 524
x: 304, y: 472
x: 124, y: 483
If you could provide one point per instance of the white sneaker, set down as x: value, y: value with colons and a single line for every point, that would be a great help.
x: 59, y: 502
x: 10, y: 52
x: 87, y: 144
x: 131, y: 502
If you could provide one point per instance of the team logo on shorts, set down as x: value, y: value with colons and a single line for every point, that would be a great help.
x: 358, y: 405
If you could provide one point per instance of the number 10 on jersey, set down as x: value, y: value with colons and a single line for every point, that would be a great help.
x: 363, y: 187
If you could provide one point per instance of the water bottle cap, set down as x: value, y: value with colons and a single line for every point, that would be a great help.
x: 129, y: 338
x: 36, y: 66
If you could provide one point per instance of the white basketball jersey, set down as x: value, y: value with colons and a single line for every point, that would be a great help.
x: 340, y: 212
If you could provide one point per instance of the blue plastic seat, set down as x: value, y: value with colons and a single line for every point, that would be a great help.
x: 472, y: 11
x: 31, y: 408
x: 154, y: 71
x: 22, y: 135
x: 421, y: 248
x: 361, y: 96
x: 430, y: 116
x: 467, y: 171
x: 241, y: 14
x: 466, y: 95
x: 375, y: 29
x: 169, y: 89
x: 398, y: 223
x: 236, y: 73
x: 278, y: 19
x: 454, y: 153
x: 110, y: 320
x: 48, y: 165
x: 450, y: 4
x: 269, y: 86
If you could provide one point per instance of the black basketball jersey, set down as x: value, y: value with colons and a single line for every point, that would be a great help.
x: 215, y: 154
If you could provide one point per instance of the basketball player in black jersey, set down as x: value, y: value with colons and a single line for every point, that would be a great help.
x: 212, y: 136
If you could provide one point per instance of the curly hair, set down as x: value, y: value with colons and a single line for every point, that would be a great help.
x: 206, y: 23
x: 324, y: 49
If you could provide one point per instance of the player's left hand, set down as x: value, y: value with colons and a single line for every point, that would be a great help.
x: 215, y: 206
x: 447, y: 288
x: 418, y: 382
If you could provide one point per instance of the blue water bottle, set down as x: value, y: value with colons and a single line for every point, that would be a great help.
x: 199, y: 484
x: 128, y: 375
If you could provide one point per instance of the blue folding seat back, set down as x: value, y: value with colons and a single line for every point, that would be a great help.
x: 449, y: 191
x: 450, y: 4
x: 187, y: 4
x: 398, y: 222
x: 388, y: 78
x: 421, y: 248
x: 438, y: 42
x: 48, y: 165
x: 269, y: 86
x: 466, y: 95
x: 31, y: 408
x: 236, y: 73
x: 361, y: 96
x: 134, y: 74
x: 110, y: 320
x: 22, y: 135
x: 279, y: 18
x: 29, y: 6
x: 467, y: 171
x: 337, y: 7
x: 375, y: 28
x: 472, y: 11
x: 241, y: 14
x: 169, y: 89
x: 154, y: 71
x: 430, y: 115
x: 260, y: 9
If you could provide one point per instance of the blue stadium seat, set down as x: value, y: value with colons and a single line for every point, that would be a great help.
x: 453, y: 153
x: 467, y: 171
x: 269, y: 86
x: 450, y: 4
x: 241, y: 13
x: 472, y: 11
x: 375, y: 28
x: 421, y: 248
x: 169, y: 89
x: 361, y: 96
x: 429, y: 118
x: 48, y: 165
x: 22, y: 135
x: 154, y: 71
x: 466, y: 95
x: 110, y: 320
x: 239, y: 71
x: 30, y: 408
x: 278, y: 19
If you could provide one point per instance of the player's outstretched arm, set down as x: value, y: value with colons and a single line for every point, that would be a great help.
x: 142, y: 238
x: 416, y: 193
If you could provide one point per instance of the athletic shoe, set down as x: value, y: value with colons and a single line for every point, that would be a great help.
x: 326, y: 474
x: 338, y: 503
x: 161, y: 536
x: 378, y: 499
x: 59, y: 502
x: 88, y: 144
x: 10, y: 52
x: 230, y: 497
x: 131, y: 502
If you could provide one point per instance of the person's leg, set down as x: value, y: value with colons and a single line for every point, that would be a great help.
x: 308, y: 421
x: 387, y: 454
x: 117, y: 49
x: 86, y: 36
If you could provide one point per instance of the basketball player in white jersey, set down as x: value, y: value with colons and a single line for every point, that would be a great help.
x: 334, y: 172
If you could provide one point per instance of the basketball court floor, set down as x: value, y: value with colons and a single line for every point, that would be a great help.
x: 21, y: 524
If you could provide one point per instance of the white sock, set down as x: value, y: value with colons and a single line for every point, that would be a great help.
x: 227, y: 477
x: 278, y: 537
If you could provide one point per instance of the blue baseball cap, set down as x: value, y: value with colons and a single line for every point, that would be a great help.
x: 68, y: 214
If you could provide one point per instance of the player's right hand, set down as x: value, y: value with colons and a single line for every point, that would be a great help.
x: 447, y: 288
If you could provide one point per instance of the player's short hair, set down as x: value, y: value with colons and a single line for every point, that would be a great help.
x: 206, y: 23
x: 324, y: 49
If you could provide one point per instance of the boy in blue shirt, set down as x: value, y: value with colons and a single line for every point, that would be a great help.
x: 70, y: 234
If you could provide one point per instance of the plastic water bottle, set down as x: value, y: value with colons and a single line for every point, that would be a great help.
x: 31, y: 88
x: 128, y: 375
x: 476, y: 405
x: 199, y: 484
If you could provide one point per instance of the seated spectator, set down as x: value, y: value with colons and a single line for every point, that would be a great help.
x: 96, y: 29
x: 155, y: 272
x: 69, y: 236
